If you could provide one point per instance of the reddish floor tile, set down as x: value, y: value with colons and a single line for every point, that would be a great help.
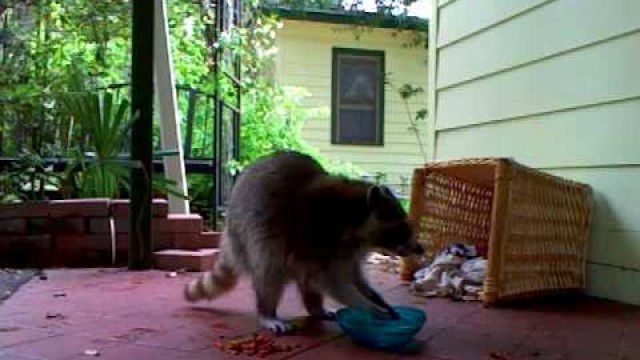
x: 58, y: 347
x: 21, y: 335
x: 146, y: 312
x: 180, y: 339
x: 10, y: 356
x: 310, y: 335
x: 630, y: 344
x: 343, y: 348
x: 464, y: 342
x: 136, y: 352
x: 437, y: 309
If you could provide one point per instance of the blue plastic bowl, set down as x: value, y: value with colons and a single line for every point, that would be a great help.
x: 370, y: 331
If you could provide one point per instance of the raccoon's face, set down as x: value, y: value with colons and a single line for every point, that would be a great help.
x: 387, y: 227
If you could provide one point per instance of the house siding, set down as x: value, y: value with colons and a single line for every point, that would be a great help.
x: 304, y: 60
x: 554, y: 84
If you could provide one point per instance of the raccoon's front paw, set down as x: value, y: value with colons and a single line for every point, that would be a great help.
x: 324, y: 314
x: 387, y: 314
x: 276, y: 326
x: 328, y: 315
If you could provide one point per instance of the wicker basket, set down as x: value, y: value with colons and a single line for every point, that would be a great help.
x: 532, y: 227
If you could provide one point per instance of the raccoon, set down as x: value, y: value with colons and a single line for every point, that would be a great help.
x: 288, y: 220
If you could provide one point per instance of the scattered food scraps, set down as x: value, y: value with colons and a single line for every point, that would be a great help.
x: 494, y: 355
x: 92, y: 352
x: 221, y: 325
x: 40, y: 274
x: 254, y: 345
x: 9, y: 329
x: 50, y: 315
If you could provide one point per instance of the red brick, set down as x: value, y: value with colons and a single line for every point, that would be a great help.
x: 160, y: 241
x: 25, y: 250
x: 178, y: 223
x: 100, y: 225
x: 159, y: 208
x: 95, y: 258
x: 68, y: 257
x: 201, y: 260
x: 13, y: 226
x: 64, y: 226
x: 38, y: 225
x: 210, y: 239
x: 39, y: 242
x: 83, y: 242
x: 174, y: 223
x: 25, y: 209
x: 122, y: 225
x: 122, y: 242
x: 98, y: 242
x: 65, y: 243
x: 190, y: 241
x: 79, y: 207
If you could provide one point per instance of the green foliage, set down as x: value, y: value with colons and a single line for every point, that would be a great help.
x: 27, y: 179
x: 48, y: 107
x: 103, y: 121
x: 273, y: 116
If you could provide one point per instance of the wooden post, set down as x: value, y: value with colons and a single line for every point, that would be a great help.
x: 140, y: 244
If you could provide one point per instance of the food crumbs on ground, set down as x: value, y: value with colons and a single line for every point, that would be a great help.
x: 9, y: 329
x: 221, y: 325
x: 92, y: 352
x: 495, y: 355
x: 50, y: 315
x: 254, y: 345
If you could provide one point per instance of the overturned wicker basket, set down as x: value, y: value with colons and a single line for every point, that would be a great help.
x: 532, y: 227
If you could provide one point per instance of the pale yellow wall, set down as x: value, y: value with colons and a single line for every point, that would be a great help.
x: 304, y: 60
x: 555, y: 84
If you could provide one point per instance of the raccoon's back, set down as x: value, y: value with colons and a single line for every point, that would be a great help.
x: 267, y: 194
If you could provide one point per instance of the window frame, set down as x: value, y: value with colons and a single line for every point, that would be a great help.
x: 337, y: 52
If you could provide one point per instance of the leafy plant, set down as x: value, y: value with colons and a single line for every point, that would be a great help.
x: 417, y: 119
x: 27, y: 179
x: 101, y: 168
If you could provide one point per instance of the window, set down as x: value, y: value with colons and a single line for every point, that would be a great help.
x: 357, y: 109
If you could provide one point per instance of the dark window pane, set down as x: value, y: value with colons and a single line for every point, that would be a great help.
x: 357, y: 126
x: 357, y: 103
x: 358, y: 81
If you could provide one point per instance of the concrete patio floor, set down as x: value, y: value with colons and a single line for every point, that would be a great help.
x: 141, y: 315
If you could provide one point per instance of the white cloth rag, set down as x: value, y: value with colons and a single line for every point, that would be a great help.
x: 456, y: 272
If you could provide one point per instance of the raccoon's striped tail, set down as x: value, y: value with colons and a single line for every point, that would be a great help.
x: 212, y: 284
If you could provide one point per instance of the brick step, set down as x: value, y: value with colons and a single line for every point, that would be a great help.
x: 173, y: 223
x: 205, y: 240
x: 120, y: 208
x: 190, y: 260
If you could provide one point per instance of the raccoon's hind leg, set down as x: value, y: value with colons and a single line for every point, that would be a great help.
x: 214, y: 283
x: 269, y: 287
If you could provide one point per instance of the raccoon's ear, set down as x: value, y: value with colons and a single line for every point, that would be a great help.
x: 387, y: 192
x: 375, y: 193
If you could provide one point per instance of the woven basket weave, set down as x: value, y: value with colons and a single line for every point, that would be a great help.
x: 532, y: 227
